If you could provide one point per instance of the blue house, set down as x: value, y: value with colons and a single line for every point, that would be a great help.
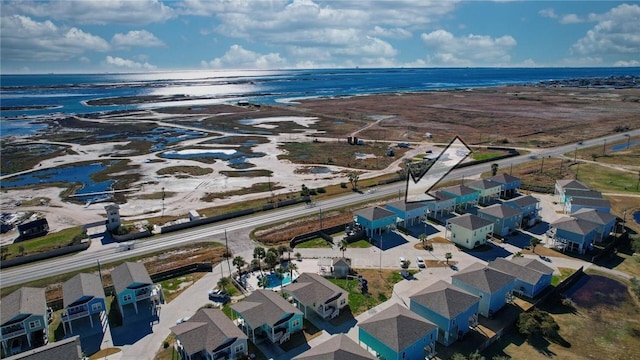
x: 210, y: 334
x: 24, y: 321
x: 266, y: 313
x: 604, y: 221
x: 529, y: 206
x: 573, y: 234
x: 397, y: 333
x: 452, y: 309
x: 489, y: 190
x: 133, y: 285
x: 576, y: 204
x: 531, y: 275
x: 338, y: 347
x: 409, y: 212
x: 375, y: 219
x: 505, y: 218
x: 510, y: 185
x: 82, y: 297
x: 443, y: 203
x: 492, y: 286
x: 464, y: 195
x: 568, y: 184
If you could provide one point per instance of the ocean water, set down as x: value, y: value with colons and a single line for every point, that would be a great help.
x: 68, y: 93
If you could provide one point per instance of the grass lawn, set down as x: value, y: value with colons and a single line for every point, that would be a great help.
x: 102, y: 354
x: 360, y: 244
x: 380, y: 283
x: 314, y: 243
x: 607, y: 179
x: 564, y: 273
x: 172, y: 288
x: 45, y: 243
x: 624, y: 156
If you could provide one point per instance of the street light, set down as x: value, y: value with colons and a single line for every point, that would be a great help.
x: 628, y: 139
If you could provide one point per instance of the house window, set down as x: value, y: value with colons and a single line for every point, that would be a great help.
x: 127, y: 297
x: 295, y: 323
x: 240, y: 348
x: 96, y: 307
x: 343, y: 301
x: 34, y: 324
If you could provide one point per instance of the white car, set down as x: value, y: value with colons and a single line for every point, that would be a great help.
x: 181, y: 320
x: 402, y: 260
x: 421, y: 263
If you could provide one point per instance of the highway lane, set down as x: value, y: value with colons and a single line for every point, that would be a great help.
x: 216, y: 231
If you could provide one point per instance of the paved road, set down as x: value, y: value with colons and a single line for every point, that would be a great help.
x: 235, y: 227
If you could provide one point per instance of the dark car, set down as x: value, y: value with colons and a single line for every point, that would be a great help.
x: 406, y: 275
x: 219, y: 296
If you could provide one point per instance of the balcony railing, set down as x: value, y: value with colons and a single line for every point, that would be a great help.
x: 11, y: 332
x: 75, y: 315
x: 143, y: 296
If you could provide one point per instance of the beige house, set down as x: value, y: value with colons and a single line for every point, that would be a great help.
x: 468, y: 230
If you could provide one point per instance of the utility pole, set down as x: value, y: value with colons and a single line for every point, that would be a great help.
x: 320, y: 219
x: 163, y: 201
x: 604, y: 147
x: 542, y: 165
x: 575, y: 154
x: 226, y: 244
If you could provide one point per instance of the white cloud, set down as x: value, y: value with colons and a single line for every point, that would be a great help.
x: 238, y: 57
x: 138, y: 12
x: 617, y: 32
x: 121, y: 63
x: 470, y: 50
x: 24, y: 39
x: 394, y: 33
x: 630, y: 63
x: 571, y: 19
x: 136, y: 38
x: 548, y: 13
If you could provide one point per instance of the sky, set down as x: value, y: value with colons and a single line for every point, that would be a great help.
x: 82, y: 36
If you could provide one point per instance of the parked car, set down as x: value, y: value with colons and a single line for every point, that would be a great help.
x: 421, y: 263
x: 406, y: 275
x: 402, y: 260
x: 181, y: 320
x: 219, y: 296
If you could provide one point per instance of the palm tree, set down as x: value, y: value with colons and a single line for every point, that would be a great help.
x: 282, y: 249
x: 534, y: 242
x: 280, y: 271
x: 239, y: 262
x: 353, y: 179
x: 271, y: 259
x: 222, y: 283
x: 263, y: 282
x: 423, y: 240
x: 343, y: 246
x: 494, y: 169
x: 291, y: 267
x: 448, y: 256
x: 298, y: 256
x: 259, y: 253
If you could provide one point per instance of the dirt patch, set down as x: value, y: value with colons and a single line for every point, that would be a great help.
x: 283, y: 233
x: 595, y: 290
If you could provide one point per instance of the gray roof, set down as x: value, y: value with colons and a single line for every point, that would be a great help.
x: 589, y: 194
x: 341, y: 262
x: 24, y: 301
x: 442, y: 196
x: 500, y: 211
x: 338, y: 347
x: 504, y: 179
x: 470, y: 221
x: 82, y: 285
x: 407, y: 206
x: 264, y: 307
x: 311, y: 288
x: 445, y: 299
x: 206, y: 330
x: 529, y: 272
x: 484, y: 184
x: 128, y: 273
x: 523, y: 201
x: 484, y: 278
x: 459, y: 190
x: 572, y: 184
x: 375, y: 213
x: 67, y: 349
x: 594, y: 216
x: 397, y: 327
x: 591, y: 202
x: 573, y: 225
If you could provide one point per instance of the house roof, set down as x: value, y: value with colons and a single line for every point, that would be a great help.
x: 375, y: 213
x: 486, y: 279
x: 341, y: 262
x: 500, y: 211
x: 206, y: 330
x: 445, y: 299
x: 338, y: 347
x: 128, y: 273
x: 572, y: 184
x: 594, y: 216
x: 589, y: 194
x: 67, y: 349
x: 470, y: 221
x: 81, y: 285
x: 406, y: 206
x: 32, y: 224
x: 459, y: 190
x: 573, y: 225
x: 590, y: 202
x: 397, y: 327
x: 529, y: 272
x: 264, y: 307
x: 442, y: 196
x: 24, y: 301
x: 523, y: 201
x: 311, y: 288
x: 484, y: 184
x: 504, y: 179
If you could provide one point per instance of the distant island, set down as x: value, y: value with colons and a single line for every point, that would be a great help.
x: 29, y: 107
x: 613, y: 82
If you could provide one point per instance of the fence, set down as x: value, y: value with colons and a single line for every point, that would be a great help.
x: 45, y: 255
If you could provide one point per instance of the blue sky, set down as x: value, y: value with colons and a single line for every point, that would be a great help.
x: 153, y: 35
